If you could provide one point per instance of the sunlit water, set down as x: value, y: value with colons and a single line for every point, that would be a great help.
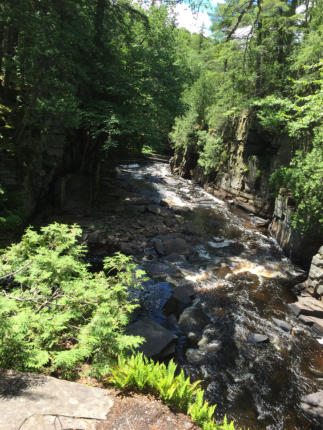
x: 242, y: 280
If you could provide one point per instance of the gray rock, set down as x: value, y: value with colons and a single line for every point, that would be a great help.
x: 257, y: 338
x: 159, y: 246
x: 282, y: 324
x: 180, y: 299
x: 312, y: 404
x: 177, y: 246
x: 193, y: 319
x: 40, y: 399
x: 160, y: 270
x: 157, y: 337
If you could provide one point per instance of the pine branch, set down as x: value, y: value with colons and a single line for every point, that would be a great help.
x: 17, y: 271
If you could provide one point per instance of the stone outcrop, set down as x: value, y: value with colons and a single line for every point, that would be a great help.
x: 309, y: 305
x: 158, y: 339
x: 251, y: 155
x: 36, y: 402
x: 299, y: 248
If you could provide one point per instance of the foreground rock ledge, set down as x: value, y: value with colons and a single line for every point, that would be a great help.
x: 36, y: 402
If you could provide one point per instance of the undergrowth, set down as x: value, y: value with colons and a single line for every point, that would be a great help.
x: 141, y: 374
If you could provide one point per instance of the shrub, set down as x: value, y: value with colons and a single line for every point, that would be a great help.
x: 211, y: 154
x: 54, y: 313
x: 139, y: 373
x: 304, y: 179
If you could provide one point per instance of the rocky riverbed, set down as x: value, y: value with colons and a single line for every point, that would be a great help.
x: 218, y: 296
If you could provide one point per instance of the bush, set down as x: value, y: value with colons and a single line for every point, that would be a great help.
x: 54, y: 313
x: 139, y: 373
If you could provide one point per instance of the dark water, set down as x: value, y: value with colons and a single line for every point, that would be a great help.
x: 242, y: 280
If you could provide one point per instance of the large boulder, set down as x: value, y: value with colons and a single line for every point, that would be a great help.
x: 176, y: 246
x: 158, y: 338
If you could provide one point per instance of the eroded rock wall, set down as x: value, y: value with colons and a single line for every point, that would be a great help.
x: 252, y: 154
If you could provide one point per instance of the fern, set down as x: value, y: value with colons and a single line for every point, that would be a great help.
x: 137, y: 372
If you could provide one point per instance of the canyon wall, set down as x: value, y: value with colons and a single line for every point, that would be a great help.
x: 251, y: 156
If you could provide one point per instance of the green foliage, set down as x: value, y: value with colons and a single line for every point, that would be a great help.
x: 54, y: 313
x: 274, y: 113
x: 211, y: 154
x: 304, y: 179
x: 139, y: 373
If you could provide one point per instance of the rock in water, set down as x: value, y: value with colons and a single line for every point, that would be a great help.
x: 313, y: 405
x: 282, y: 324
x: 257, y: 338
x: 157, y: 337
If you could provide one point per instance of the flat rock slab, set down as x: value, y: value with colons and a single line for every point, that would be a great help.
x: 36, y: 402
x: 307, y: 306
x: 315, y: 323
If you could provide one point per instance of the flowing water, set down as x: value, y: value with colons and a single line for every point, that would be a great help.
x: 242, y: 281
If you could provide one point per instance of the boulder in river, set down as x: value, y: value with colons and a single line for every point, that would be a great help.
x: 282, y: 324
x: 177, y: 246
x: 312, y: 404
x: 158, y: 338
x: 257, y: 338
x: 180, y: 299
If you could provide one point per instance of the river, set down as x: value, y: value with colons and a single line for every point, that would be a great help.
x: 242, y: 282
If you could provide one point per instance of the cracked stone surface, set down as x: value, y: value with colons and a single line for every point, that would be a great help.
x: 36, y: 402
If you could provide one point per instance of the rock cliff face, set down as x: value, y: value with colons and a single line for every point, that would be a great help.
x: 243, y: 176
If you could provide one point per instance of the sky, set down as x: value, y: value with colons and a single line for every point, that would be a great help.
x: 193, y: 21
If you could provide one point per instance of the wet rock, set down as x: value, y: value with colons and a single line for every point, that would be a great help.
x: 154, y: 209
x: 158, y: 244
x: 157, y: 337
x: 282, y: 324
x: 160, y: 270
x: 312, y: 404
x: 193, y: 319
x: 180, y: 299
x: 257, y: 338
x: 176, y: 246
